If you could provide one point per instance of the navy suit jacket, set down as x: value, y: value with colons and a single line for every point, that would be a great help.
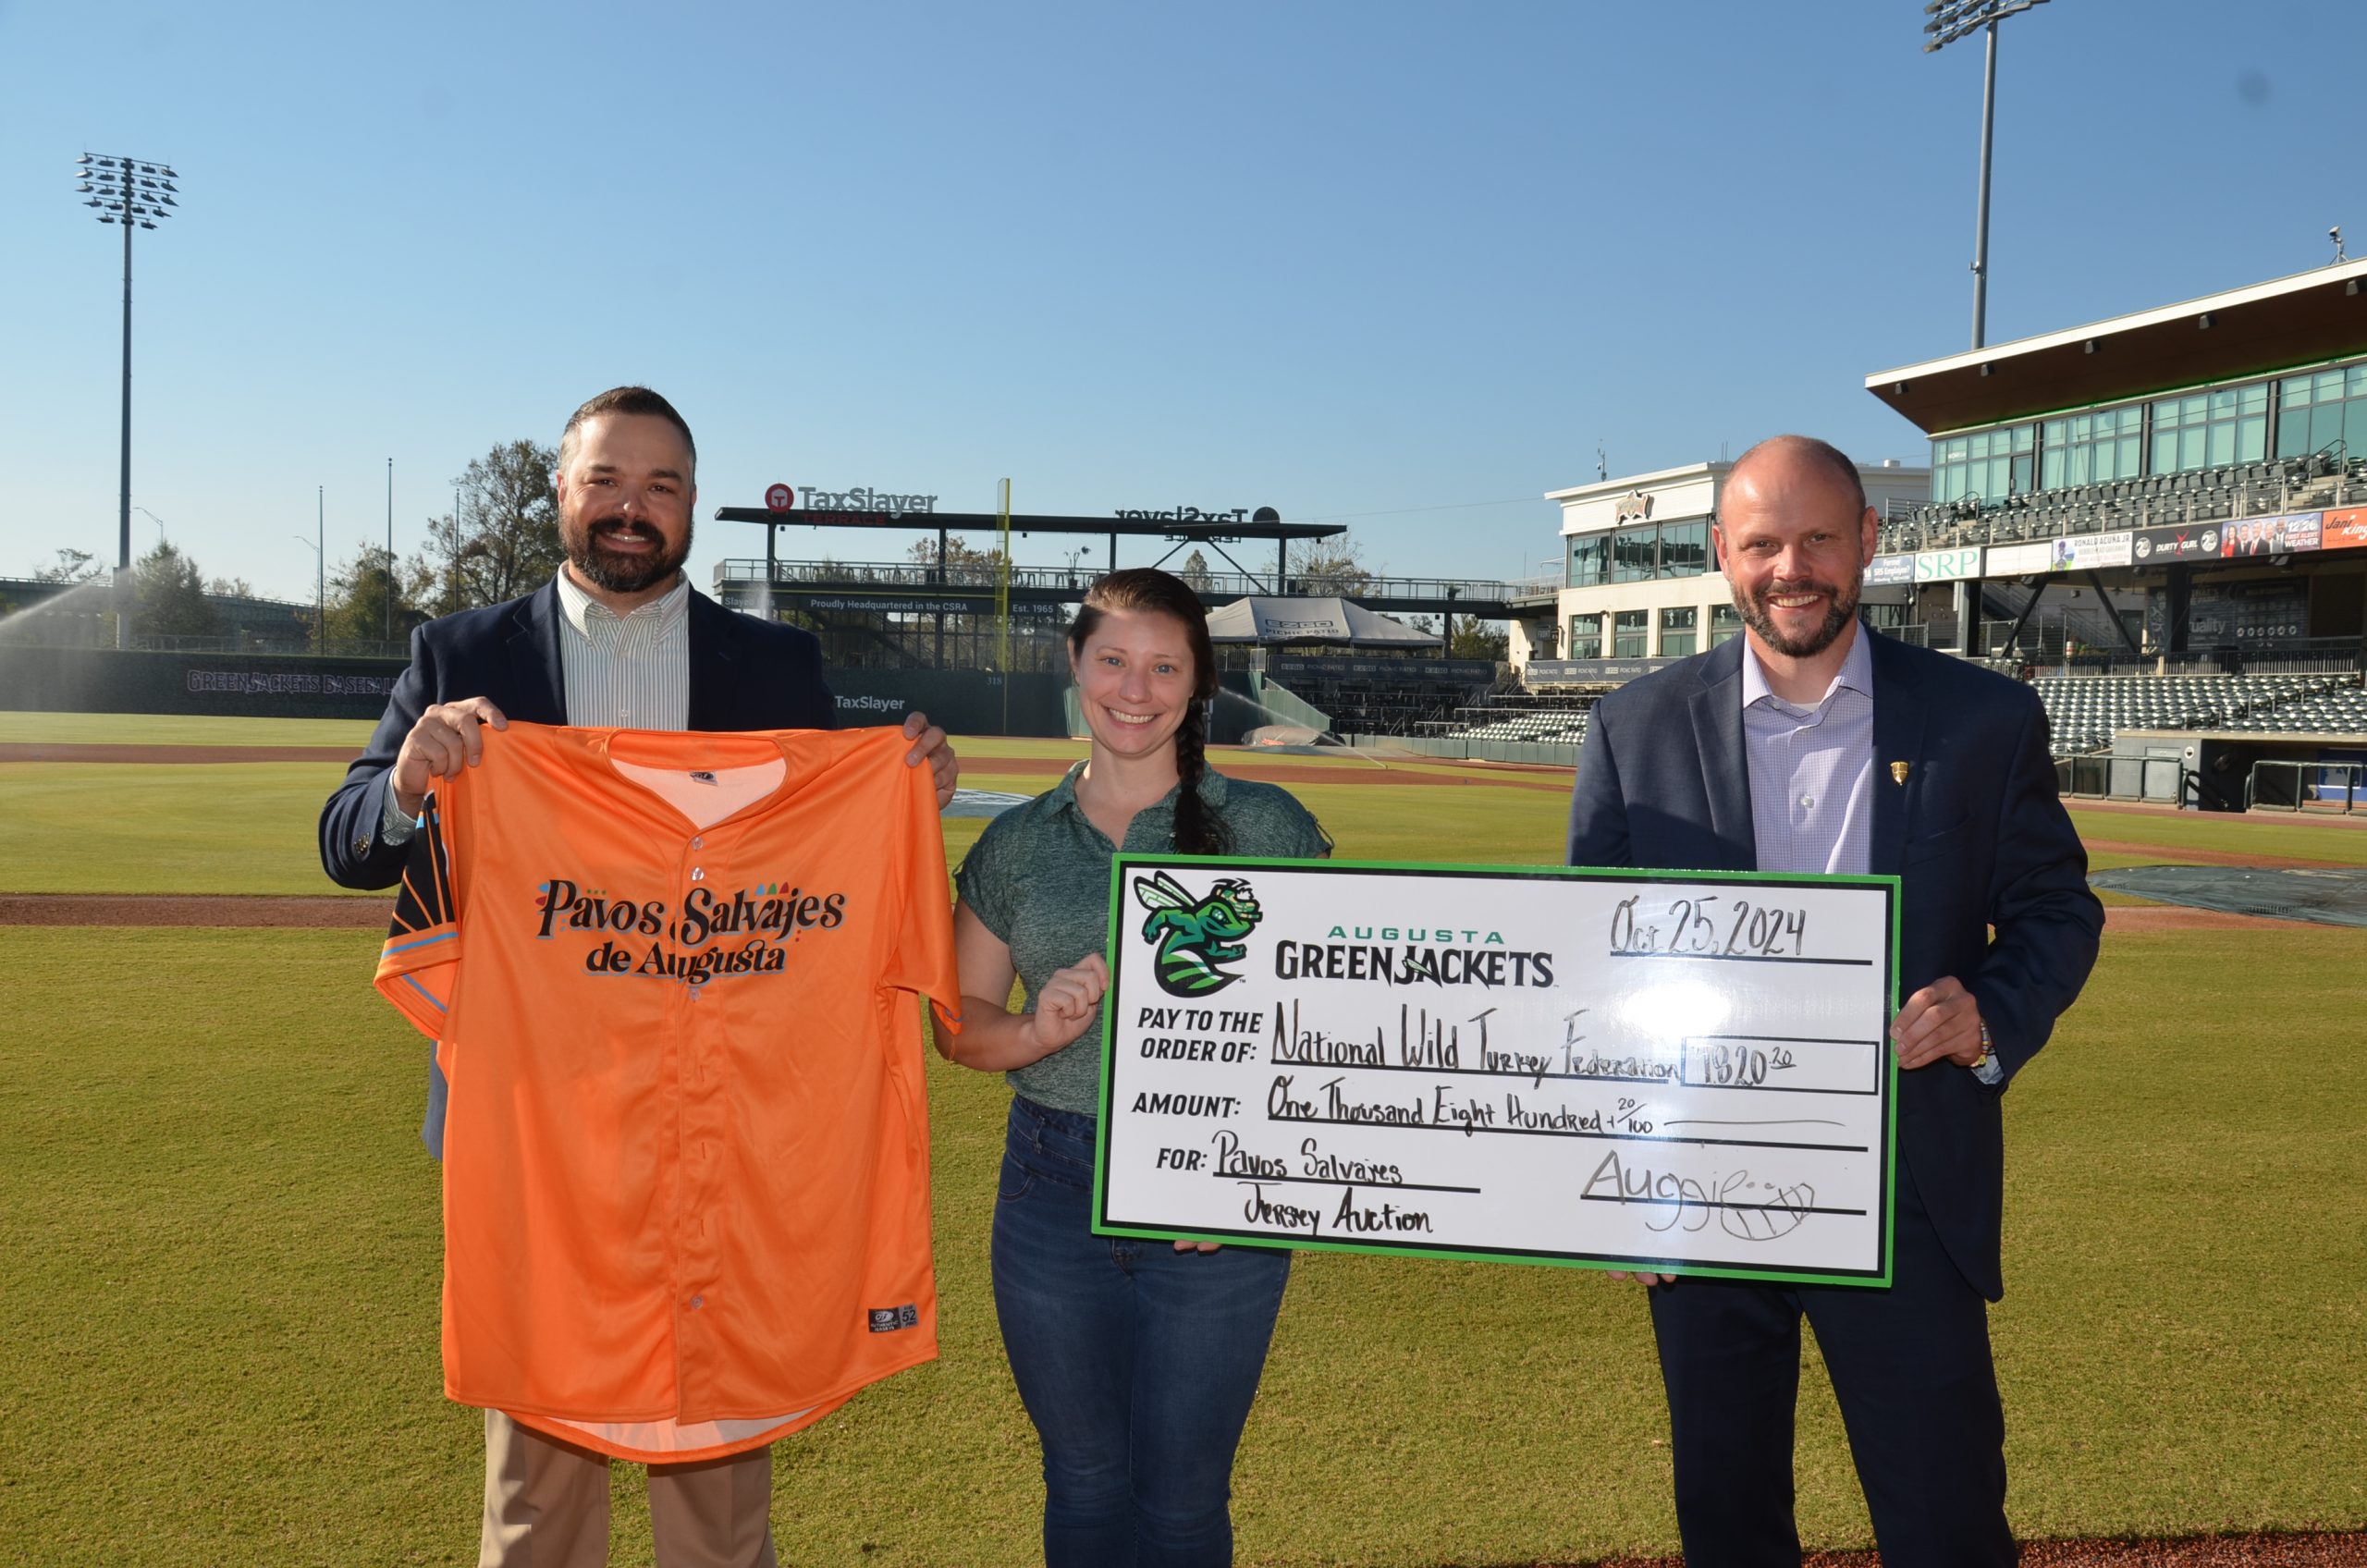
x: 744, y: 674
x: 1993, y: 875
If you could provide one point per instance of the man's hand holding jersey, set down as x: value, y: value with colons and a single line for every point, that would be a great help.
x: 450, y: 736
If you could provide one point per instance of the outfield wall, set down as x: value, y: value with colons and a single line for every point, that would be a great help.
x: 260, y: 686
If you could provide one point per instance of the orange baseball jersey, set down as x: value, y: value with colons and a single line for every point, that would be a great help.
x: 672, y: 981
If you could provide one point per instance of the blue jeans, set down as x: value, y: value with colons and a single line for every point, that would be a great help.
x: 1137, y: 1362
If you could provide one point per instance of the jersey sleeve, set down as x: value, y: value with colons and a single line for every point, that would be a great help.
x: 922, y: 961
x: 421, y: 961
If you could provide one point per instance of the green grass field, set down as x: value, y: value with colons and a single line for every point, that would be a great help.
x: 219, y: 1249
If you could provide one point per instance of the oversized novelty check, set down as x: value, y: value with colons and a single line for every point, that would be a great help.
x: 1679, y: 1072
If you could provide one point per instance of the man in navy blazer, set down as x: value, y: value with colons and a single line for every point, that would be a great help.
x: 1811, y: 742
x: 619, y: 638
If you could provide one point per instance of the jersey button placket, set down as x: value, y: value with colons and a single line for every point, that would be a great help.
x: 702, y: 1135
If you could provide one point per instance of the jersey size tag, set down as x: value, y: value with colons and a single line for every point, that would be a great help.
x: 888, y: 1319
x: 701, y: 776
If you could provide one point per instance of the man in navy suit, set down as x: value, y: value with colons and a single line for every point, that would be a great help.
x: 1812, y: 743
x: 619, y: 638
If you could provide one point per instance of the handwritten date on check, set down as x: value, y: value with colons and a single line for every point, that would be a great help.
x: 1679, y: 1072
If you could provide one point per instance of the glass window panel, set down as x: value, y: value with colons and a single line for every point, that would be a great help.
x: 2132, y: 420
x: 2354, y: 381
x: 2294, y: 393
x: 1685, y: 549
x: 2221, y: 450
x: 2060, y: 430
x: 1633, y: 554
x: 2253, y: 398
x: 2325, y: 426
x: 2021, y: 478
x: 2252, y: 438
x: 1684, y: 620
x: 2293, y: 433
x: 2354, y: 428
x: 2025, y: 437
x: 2050, y: 467
x: 1676, y: 644
x: 2223, y: 401
x: 2127, y: 464
x: 2190, y: 450
x: 2329, y: 384
x: 2165, y: 451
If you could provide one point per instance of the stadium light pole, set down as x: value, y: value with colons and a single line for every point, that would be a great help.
x: 134, y: 194
x: 1951, y: 20
x: 390, y: 549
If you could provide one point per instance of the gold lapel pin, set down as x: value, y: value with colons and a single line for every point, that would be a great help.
x: 1898, y: 772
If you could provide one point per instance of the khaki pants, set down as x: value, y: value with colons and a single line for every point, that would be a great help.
x: 546, y: 1505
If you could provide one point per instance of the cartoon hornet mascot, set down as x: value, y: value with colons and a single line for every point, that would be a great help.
x: 1195, y: 935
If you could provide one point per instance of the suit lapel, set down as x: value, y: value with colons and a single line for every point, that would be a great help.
x: 535, y: 666
x: 713, y: 657
x: 1717, y: 734
x: 1899, y: 738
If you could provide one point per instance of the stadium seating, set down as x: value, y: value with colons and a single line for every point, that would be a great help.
x: 2085, y: 711
x: 2239, y: 490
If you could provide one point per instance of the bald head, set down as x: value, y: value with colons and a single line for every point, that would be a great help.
x: 1799, y: 452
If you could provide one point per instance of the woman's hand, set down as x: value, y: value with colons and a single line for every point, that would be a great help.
x: 1068, y: 999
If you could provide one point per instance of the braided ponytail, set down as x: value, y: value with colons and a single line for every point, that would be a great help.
x: 1198, y: 830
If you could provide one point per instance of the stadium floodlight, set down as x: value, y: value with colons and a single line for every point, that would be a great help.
x: 1951, y: 20
x: 135, y: 194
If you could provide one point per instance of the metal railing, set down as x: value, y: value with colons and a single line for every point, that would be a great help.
x: 971, y: 574
x: 2276, y: 784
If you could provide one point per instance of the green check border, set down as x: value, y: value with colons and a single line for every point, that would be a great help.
x: 1111, y: 1007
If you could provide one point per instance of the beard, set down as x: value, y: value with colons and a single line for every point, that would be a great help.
x: 1757, y: 614
x: 618, y: 574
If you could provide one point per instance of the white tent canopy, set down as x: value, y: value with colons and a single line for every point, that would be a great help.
x: 1330, y: 619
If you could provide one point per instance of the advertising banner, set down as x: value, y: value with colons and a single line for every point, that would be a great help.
x: 1684, y: 1073
x: 2013, y: 561
x: 2240, y: 537
x: 1947, y: 566
x: 2166, y: 547
x: 1886, y: 570
x: 2345, y: 529
x: 2091, y: 552
x: 1579, y: 672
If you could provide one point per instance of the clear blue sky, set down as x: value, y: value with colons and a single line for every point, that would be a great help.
x: 1402, y: 265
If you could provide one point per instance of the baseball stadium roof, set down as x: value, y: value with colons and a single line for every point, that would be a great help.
x: 2310, y: 316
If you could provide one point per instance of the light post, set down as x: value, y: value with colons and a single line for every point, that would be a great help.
x: 133, y: 193
x: 152, y: 517
x: 319, y: 628
x: 1951, y: 20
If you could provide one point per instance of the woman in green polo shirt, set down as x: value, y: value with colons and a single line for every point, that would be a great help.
x: 1137, y: 1360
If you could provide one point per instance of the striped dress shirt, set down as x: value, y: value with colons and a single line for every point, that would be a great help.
x: 619, y: 671
x: 1812, y: 768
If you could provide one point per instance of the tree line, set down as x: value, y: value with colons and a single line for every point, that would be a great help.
x: 499, y: 541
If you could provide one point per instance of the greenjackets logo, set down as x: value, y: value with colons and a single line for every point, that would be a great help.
x: 1196, y: 937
